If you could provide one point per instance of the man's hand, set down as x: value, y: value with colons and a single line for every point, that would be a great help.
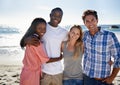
x: 55, y: 59
x: 112, y: 76
x: 32, y: 41
x: 108, y: 80
x: 61, y: 56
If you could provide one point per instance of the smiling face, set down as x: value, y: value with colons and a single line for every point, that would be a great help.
x: 41, y: 29
x: 91, y: 23
x: 55, y: 18
x: 74, y: 34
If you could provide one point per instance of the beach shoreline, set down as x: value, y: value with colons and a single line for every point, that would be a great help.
x: 10, y: 75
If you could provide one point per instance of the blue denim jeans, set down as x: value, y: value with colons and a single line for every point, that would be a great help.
x: 92, y: 81
x: 73, y: 82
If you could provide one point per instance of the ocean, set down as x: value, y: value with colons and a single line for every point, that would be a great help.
x: 10, y: 50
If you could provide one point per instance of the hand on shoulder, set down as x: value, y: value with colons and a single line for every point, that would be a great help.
x: 32, y: 41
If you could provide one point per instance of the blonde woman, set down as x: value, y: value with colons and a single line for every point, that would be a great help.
x: 72, y: 54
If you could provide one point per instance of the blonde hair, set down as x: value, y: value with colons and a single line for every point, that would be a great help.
x: 79, y: 43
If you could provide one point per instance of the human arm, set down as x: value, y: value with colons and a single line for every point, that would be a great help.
x: 58, y: 58
x: 27, y: 39
x: 35, y: 56
x: 110, y: 79
x: 115, y: 52
x: 54, y: 59
x: 31, y: 40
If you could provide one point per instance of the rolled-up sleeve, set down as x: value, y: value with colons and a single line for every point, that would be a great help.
x: 115, y: 51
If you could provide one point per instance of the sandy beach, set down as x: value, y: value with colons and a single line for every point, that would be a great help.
x: 10, y: 75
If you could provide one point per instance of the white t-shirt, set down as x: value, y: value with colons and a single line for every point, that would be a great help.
x: 52, y: 41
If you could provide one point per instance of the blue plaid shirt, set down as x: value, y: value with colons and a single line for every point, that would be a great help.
x: 98, y: 50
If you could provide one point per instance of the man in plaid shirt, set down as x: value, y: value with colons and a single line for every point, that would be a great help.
x: 99, y: 47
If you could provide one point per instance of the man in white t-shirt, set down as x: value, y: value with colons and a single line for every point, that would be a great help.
x: 52, y: 72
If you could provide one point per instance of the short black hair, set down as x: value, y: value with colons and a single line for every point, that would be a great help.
x: 57, y: 9
x: 89, y: 12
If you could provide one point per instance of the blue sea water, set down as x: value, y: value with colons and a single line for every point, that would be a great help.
x: 10, y: 51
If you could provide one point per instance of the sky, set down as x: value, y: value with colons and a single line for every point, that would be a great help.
x: 20, y: 13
